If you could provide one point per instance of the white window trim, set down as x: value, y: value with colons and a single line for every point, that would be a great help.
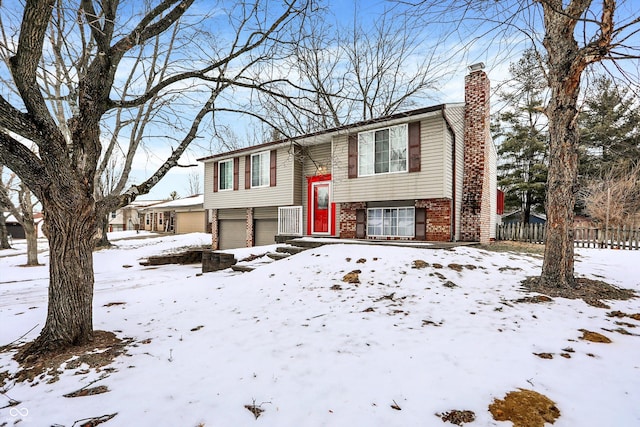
x: 373, y: 131
x: 230, y: 161
x: 266, y: 154
x: 413, y: 229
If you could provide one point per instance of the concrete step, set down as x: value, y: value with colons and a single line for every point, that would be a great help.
x: 308, y: 244
x: 291, y: 250
x: 277, y: 255
x: 242, y: 268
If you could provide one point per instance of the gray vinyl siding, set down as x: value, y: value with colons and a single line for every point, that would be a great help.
x: 237, y: 213
x: 280, y: 195
x: 298, y: 179
x: 455, y: 114
x: 433, y: 180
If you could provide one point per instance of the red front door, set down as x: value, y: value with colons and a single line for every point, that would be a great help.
x: 321, y: 207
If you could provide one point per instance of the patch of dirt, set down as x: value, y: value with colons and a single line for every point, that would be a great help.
x: 256, y: 410
x: 458, y: 417
x: 536, y: 299
x: 88, y: 391
x: 352, y: 277
x: 544, y: 355
x: 594, y: 337
x: 589, y: 290
x: 507, y: 268
x: 100, y: 353
x: 361, y: 261
x: 418, y: 263
x: 111, y: 304
x: 525, y: 408
x: 431, y: 322
x: 456, y: 267
x: 616, y: 313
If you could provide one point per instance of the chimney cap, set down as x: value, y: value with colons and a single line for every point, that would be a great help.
x: 476, y: 67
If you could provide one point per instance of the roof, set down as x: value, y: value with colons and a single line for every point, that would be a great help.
x: 332, y: 131
x: 198, y: 199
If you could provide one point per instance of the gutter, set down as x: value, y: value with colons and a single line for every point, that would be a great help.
x: 453, y: 174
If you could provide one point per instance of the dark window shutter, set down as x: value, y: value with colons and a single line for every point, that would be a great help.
x: 273, y: 162
x: 353, y: 156
x: 215, y: 177
x: 361, y: 223
x: 421, y: 224
x: 247, y: 172
x: 414, y: 147
x: 236, y: 173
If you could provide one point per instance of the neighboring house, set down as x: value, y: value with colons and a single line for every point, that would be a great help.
x: 180, y: 216
x: 516, y: 217
x: 427, y: 174
x: 15, y: 229
x: 128, y: 217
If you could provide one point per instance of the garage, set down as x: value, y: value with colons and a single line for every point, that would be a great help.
x: 189, y: 222
x: 265, y: 225
x: 232, y: 228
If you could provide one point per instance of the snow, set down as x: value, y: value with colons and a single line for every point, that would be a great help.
x: 294, y: 339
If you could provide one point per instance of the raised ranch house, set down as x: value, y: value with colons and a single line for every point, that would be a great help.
x: 427, y: 174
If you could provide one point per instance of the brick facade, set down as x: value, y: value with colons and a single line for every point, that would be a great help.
x: 250, y: 236
x: 475, y: 188
x: 215, y: 241
x: 438, y: 219
x: 348, y: 219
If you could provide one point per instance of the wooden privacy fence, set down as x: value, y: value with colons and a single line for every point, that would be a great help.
x: 622, y: 237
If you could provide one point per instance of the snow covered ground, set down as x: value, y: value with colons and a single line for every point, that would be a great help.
x: 293, y: 339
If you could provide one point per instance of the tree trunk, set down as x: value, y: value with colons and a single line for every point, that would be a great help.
x: 4, y: 235
x: 71, y: 226
x: 103, y: 229
x: 558, y: 265
x: 31, y: 235
x: 26, y: 207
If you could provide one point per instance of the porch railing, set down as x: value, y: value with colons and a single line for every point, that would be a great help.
x: 290, y: 221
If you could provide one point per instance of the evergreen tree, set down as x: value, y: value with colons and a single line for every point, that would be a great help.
x: 521, y: 129
x: 609, y: 130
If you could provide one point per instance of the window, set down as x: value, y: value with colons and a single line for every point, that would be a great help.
x: 147, y: 219
x: 113, y: 215
x: 395, y: 222
x: 260, y: 169
x: 382, y: 151
x: 225, y: 175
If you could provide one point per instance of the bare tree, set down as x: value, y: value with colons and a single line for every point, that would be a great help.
x: 194, y: 183
x: 349, y: 71
x: 64, y: 171
x: 614, y: 198
x: 576, y: 34
x: 22, y: 211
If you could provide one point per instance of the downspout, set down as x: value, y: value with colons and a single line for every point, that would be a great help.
x: 453, y: 174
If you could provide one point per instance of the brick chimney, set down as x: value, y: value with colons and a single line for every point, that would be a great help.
x: 476, y: 195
